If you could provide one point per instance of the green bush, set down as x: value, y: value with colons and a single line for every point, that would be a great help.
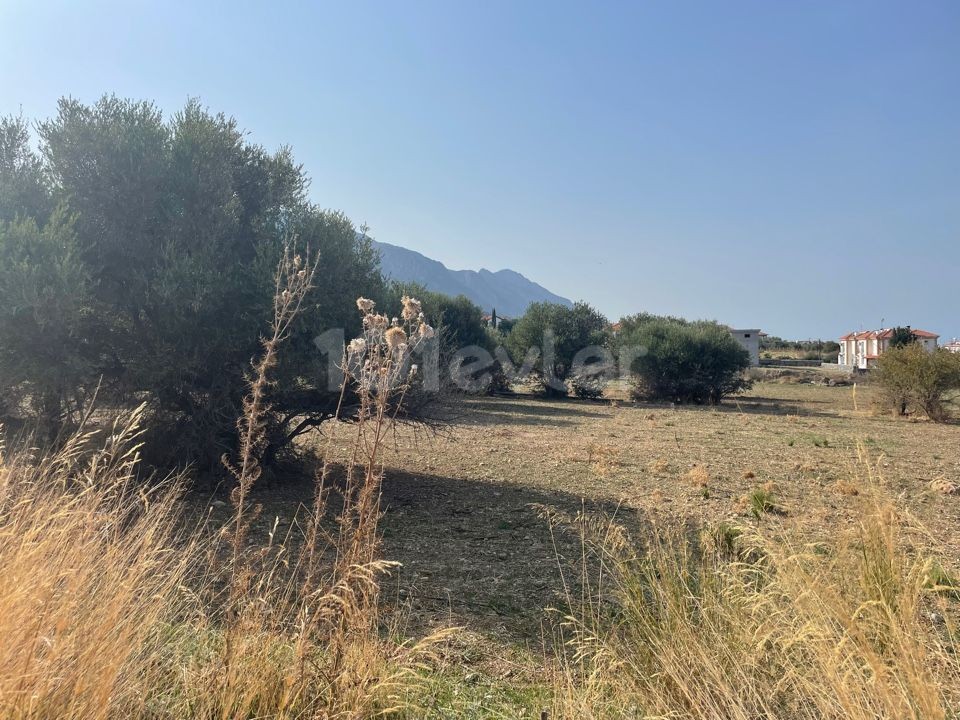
x: 154, y: 279
x: 685, y: 362
x: 914, y: 378
x: 587, y: 386
x: 45, y: 309
x: 560, y: 331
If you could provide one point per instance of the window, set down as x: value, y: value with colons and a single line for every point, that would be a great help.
x: 746, y: 335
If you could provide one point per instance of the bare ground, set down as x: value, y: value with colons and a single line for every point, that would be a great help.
x: 462, y: 509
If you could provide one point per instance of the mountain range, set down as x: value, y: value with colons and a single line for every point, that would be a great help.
x: 507, y: 291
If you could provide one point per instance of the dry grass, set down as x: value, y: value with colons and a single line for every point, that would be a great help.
x: 112, y: 606
x: 744, y: 625
x: 817, y: 599
x: 89, y: 569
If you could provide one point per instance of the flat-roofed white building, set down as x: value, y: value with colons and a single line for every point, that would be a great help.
x: 750, y: 340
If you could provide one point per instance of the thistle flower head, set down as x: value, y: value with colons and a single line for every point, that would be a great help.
x: 365, y: 305
x: 374, y: 322
x: 426, y: 332
x: 356, y: 347
x: 411, y: 308
x: 395, y: 337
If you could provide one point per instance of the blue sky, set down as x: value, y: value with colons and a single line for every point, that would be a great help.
x: 788, y: 166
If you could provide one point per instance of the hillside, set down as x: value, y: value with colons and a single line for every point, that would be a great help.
x: 506, y: 290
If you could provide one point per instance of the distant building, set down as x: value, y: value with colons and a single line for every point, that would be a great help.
x: 861, y: 349
x: 953, y: 346
x: 750, y: 340
x: 493, y: 319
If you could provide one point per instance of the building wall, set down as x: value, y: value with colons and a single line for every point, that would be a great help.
x: 750, y: 341
x: 854, y: 352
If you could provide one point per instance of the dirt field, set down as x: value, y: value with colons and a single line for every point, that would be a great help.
x: 462, y: 508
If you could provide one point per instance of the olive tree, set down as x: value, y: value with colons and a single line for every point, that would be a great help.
x: 558, y: 342
x: 155, y: 241
x: 913, y: 377
x: 683, y: 362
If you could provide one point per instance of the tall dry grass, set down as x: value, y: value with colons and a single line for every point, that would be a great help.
x: 90, y: 565
x: 114, y: 605
x: 737, y: 624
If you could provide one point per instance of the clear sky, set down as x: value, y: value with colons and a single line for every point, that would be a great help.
x: 793, y: 166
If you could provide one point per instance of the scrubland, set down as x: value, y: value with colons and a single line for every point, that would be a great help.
x: 789, y: 554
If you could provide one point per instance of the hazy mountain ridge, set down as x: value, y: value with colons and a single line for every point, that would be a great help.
x: 506, y: 290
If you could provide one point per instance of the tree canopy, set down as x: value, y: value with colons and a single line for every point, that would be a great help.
x: 138, y: 254
x: 683, y: 361
x: 558, y: 334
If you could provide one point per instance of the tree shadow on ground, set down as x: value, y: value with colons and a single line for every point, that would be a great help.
x: 525, y: 411
x: 477, y: 554
x: 773, y: 406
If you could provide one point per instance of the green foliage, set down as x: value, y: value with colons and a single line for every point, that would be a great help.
x: 163, y: 256
x: 632, y: 323
x: 901, y: 337
x: 458, y: 321
x: 914, y: 378
x: 587, y: 386
x: 24, y: 189
x: 812, y: 348
x: 44, y: 313
x: 682, y: 361
x: 761, y: 502
x: 559, y: 330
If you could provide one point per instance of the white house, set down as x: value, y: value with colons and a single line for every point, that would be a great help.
x: 953, y: 346
x: 750, y: 340
x: 861, y: 349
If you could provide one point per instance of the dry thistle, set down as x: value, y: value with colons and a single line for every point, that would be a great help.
x: 698, y: 476
x: 395, y: 337
x: 411, y: 308
x: 658, y: 466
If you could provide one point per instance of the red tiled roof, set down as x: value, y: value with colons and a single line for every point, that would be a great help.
x: 885, y: 334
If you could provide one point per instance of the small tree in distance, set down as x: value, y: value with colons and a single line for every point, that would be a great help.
x: 912, y: 377
x: 902, y: 336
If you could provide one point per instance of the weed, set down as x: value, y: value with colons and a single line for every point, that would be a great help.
x: 674, y: 631
x: 760, y: 501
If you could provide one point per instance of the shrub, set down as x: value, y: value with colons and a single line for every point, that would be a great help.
x: 559, y: 335
x: 587, y: 386
x: 154, y: 277
x: 685, y: 362
x: 45, y: 298
x: 912, y: 377
x: 560, y: 331
x: 457, y: 319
